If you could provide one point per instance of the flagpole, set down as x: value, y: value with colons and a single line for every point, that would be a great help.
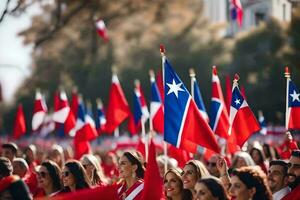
x: 193, y: 76
x: 152, y: 77
x: 163, y: 58
x: 144, y: 136
x: 287, y: 76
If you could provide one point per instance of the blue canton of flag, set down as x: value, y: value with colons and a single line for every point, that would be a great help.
x: 237, y: 98
x: 199, y: 101
x: 293, y: 120
x: 185, y: 128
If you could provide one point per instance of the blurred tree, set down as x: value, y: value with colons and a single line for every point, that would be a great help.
x: 69, y: 53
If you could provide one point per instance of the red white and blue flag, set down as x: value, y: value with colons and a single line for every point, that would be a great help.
x: 156, y: 108
x: 85, y: 131
x: 219, y: 120
x: 293, y: 112
x: 100, y: 118
x: 242, y: 120
x: 236, y: 11
x: 140, y: 110
x: 184, y: 125
x: 262, y: 123
x: 39, y: 111
x: 64, y: 114
x: 198, y: 99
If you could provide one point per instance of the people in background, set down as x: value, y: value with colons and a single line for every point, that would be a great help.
x: 93, y: 170
x: 9, y: 150
x: 278, y: 179
x: 131, y: 170
x: 192, y: 172
x: 49, y: 179
x: 74, y: 177
x: 173, y: 185
x: 249, y: 183
x: 210, y: 188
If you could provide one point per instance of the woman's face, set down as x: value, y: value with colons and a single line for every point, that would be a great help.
x: 189, y: 177
x: 68, y: 177
x: 43, y: 178
x: 172, y: 185
x: 89, y: 168
x: 126, y: 169
x: 256, y: 156
x: 203, y: 193
x: 240, y: 162
x: 238, y: 189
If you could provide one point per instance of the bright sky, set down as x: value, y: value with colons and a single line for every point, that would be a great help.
x: 15, y: 58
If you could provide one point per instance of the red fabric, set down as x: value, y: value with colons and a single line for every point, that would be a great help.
x: 244, y: 125
x: 31, y: 181
x: 126, y: 192
x: 132, y: 127
x: 118, y: 109
x: 294, y: 119
x: 110, y: 170
x: 196, y: 130
x: 7, y: 181
x: 141, y: 147
x: 19, y: 128
x: 221, y: 124
x: 180, y: 155
x: 70, y: 122
x: 74, y: 103
x: 103, y: 193
x: 286, y: 149
x: 293, y: 195
x: 153, y: 183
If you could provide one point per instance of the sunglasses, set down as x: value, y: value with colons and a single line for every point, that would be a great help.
x: 42, y: 174
x: 65, y: 174
x: 213, y: 164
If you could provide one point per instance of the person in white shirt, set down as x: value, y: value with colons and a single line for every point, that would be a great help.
x: 278, y: 179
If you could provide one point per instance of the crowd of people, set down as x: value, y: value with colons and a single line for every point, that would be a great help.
x: 259, y: 173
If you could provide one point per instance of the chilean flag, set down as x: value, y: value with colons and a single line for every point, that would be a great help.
x: 156, y: 108
x: 184, y: 125
x: 64, y: 114
x: 219, y: 121
x: 198, y: 99
x: 236, y: 11
x: 85, y: 131
x: 100, y: 119
x: 101, y: 30
x: 74, y: 102
x: 262, y: 123
x: 39, y: 111
x: 140, y: 110
x: 293, y: 112
x: 242, y: 121
x: 118, y: 109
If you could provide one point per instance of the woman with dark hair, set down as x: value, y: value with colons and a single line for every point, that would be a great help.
x: 192, y: 172
x: 249, y: 183
x: 48, y: 176
x: 173, y: 186
x: 131, y: 171
x: 93, y: 170
x: 74, y: 176
x: 210, y: 188
x: 258, y: 157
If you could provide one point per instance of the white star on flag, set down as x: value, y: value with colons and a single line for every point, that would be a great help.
x: 174, y: 88
x: 237, y: 101
x: 295, y: 96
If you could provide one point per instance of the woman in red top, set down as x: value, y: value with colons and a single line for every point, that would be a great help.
x: 131, y: 171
